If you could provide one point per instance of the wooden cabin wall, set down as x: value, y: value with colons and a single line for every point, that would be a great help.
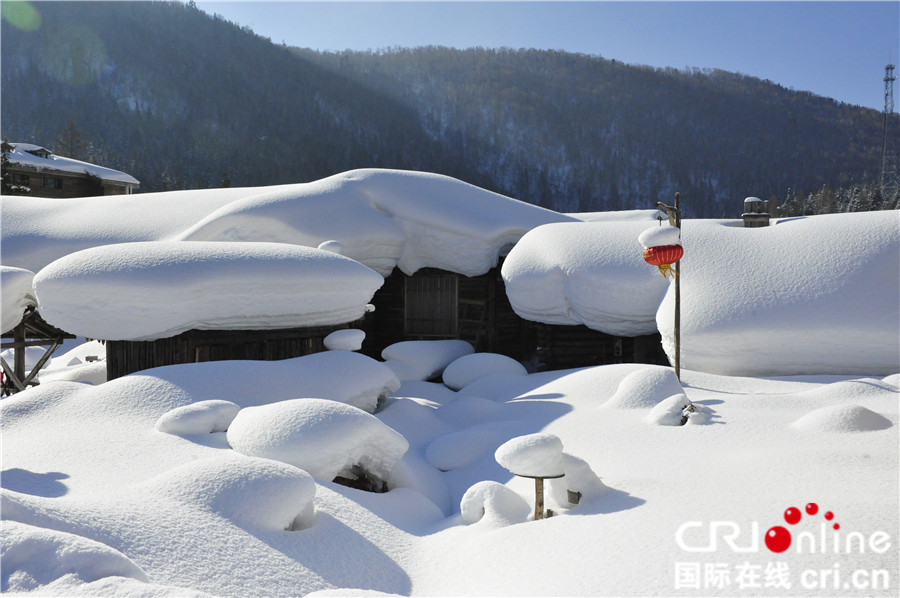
x: 563, y: 347
x: 193, y: 346
x: 484, y: 316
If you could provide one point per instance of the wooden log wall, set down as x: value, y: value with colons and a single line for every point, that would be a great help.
x: 484, y: 316
x: 563, y: 347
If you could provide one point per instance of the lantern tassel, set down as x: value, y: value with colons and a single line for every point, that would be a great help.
x: 667, y: 270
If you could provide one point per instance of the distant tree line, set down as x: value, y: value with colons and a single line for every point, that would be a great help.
x: 862, y: 197
x: 180, y: 99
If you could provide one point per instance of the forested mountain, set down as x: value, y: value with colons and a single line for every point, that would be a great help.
x: 180, y: 99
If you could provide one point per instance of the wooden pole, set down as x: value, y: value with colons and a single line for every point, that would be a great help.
x: 538, y: 498
x: 19, y: 351
x: 678, y: 294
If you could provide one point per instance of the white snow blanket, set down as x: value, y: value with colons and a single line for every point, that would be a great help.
x: 423, y: 360
x: 341, y: 376
x: 811, y: 295
x: 590, y: 273
x: 97, y: 501
x: 145, y: 291
x: 16, y: 294
x: 381, y: 218
x: 325, y: 438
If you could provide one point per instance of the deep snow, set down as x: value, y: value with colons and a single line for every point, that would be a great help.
x: 98, y: 501
x: 141, y: 485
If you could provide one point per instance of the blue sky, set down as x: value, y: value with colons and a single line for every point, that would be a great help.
x: 834, y: 49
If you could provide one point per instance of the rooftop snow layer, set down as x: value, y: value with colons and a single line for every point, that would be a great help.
x: 590, y: 273
x: 810, y: 295
x: 21, y: 154
x: 381, y: 218
x: 145, y: 291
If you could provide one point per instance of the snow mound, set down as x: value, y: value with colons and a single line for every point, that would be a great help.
x: 350, y: 339
x: 423, y: 360
x: 469, y: 368
x: 342, y: 376
x: 645, y: 388
x: 203, y: 417
x: 32, y: 356
x: 677, y: 410
x: 323, y: 437
x: 493, y: 503
x: 787, y: 299
x: 16, y: 294
x: 534, y: 455
x: 580, y: 484
x: 86, y: 352
x: 332, y: 246
x: 160, y: 289
x: 842, y: 418
x: 87, y: 373
x: 660, y: 235
x: 36, y: 556
x: 590, y: 273
x: 258, y: 494
x: 467, y: 410
x: 458, y: 449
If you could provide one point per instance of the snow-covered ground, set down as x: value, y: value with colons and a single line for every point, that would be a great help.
x: 216, y: 478
x: 97, y: 500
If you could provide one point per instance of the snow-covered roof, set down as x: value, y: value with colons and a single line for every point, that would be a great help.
x: 752, y: 299
x: 40, y: 158
x: 810, y: 295
x: 381, y: 218
x: 150, y: 290
x: 589, y: 273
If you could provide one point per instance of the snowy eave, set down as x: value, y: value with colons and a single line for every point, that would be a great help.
x: 27, y: 155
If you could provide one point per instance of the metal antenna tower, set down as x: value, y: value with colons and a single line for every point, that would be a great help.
x: 888, y: 151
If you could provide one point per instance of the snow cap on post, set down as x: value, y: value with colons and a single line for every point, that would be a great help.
x: 532, y: 456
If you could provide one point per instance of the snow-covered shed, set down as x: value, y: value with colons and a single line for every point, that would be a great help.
x: 35, y: 170
x: 162, y: 303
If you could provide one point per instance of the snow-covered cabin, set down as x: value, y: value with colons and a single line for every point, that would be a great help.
x: 808, y: 295
x: 590, y: 297
x: 435, y: 243
x: 169, y: 302
x: 35, y: 170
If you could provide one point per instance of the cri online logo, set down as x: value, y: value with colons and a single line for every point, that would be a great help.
x: 778, y: 538
x: 695, y: 536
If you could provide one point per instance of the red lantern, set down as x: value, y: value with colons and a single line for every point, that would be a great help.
x: 663, y: 256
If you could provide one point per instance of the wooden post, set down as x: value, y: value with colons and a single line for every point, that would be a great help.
x: 19, y: 351
x: 678, y: 294
x: 538, y: 498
